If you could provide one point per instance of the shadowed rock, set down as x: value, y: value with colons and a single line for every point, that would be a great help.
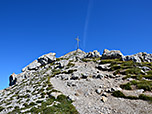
x: 93, y: 54
x: 47, y: 58
x: 12, y: 79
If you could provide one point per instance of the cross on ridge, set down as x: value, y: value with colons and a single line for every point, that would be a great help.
x: 78, y: 40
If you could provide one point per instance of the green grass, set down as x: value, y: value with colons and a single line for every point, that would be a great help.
x: 32, y: 104
x: 149, y: 76
x: 149, y: 72
x: 127, y: 76
x: 146, y: 85
x: 91, y: 59
x: 25, y: 104
x: 126, y: 86
x: 147, y: 64
x: 145, y: 97
x: 56, y: 72
x: 132, y: 71
x: 59, y: 59
x: 118, y: 94
x: 141, y: 96
x: 39, y: 101
x: 64, y: 107
x: 8, y: 103
x: 115, y: 67
x: 70, y: 64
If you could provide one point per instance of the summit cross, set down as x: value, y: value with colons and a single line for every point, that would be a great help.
x: 78, y: 40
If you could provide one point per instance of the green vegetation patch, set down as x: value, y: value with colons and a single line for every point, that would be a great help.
x: 118, y: 94
x: 146, y: 85
x: 126, y: 86
x: 56, y: 72
x: 63, y: 107
x: 141, y: 96
x: 59, y: 59
x: 134, y: 71
x: 145, y: 97
x: 1, y: 108
x: 94, y: 59
x: 112, y: 61
x: 70, y: 64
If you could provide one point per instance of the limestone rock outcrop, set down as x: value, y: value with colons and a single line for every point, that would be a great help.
x: 116, y: 54
x: 47, y: 58
x: 93, y: 54
x: 139, y: 57
x: 74, y: 55
x: 41, y: 61
x: 113, y: 54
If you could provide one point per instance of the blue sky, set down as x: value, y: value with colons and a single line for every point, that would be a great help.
x: 31, y: 28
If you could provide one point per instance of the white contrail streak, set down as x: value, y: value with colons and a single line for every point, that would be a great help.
x: 90, y: 4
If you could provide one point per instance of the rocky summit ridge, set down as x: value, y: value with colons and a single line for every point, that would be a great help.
x: 79, y: 82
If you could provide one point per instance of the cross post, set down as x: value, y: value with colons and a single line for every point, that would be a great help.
x: 77, y: 42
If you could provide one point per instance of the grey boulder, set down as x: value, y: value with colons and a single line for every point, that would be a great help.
x: 47, y: 58
x: 34, y: 65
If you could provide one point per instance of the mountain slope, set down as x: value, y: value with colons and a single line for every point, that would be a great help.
x: 79, y: 82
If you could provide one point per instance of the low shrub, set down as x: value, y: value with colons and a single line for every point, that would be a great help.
x: 70, y: 64
x: 25, y: 104
x: 149, y: 72
x: 118, y: 94
x: 144, y: 86
x: 85, y: 60
x: 116, y: 72
x: 135, y: 71
x: 145, y: 97
x: 1, y: 108
x: 149, y: 76
x: 32, y: 104
x: 39, y: 101
x: 126, y: 86
x: 115, y: 67
x: 126, y: 77
x: 104, y: 61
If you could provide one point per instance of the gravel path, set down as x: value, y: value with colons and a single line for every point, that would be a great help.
x: 87, y: 101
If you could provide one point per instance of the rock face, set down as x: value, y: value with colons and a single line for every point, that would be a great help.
x: 74, y: 55
x: 62, y: 63
x: 114, y: 54
x: 41, y: 61
x: 94, y: 54
x: 103, y: 66
x: 12, y: 79
x: 48, y: 58
x: 34, y: 65
x: 139, y: 57
x: 134, y: 58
